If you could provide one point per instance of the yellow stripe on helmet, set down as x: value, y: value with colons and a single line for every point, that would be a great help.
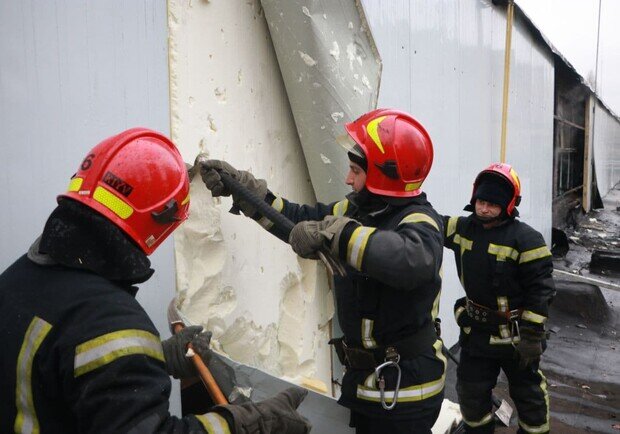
x: 371, y: 128
x: 113, y: 202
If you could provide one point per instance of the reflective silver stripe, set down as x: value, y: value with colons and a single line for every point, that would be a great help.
x: 278, y: 205
x: 503, y: 252
x: 457, y: 313
x: 340, y: 208
x: 530, y: 316
x: 107, y: 348
x: 367, y: 340
x: 419, y: 217
x: 357, y: 245
x: 26, y: 418
x: 532, y: 255
x: 451, y: 226
x: 214, y: 423
x: 496, y: 340
x: 417, y: 392
x: 502, y: 304
x: 546, y: 426
x: 476, y: 423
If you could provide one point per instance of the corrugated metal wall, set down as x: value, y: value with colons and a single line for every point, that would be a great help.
x: 73, y: 73
x: 443, y: 62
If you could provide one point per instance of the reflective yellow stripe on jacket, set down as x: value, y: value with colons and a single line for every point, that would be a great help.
x: 107, y: 348
x: 340, y: 208
x: 357, y: 246
x: 214, y: 423
x: 26, y: 419
x: 418, y: 217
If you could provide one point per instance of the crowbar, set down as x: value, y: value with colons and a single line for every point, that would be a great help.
x: 175, y: 319
x: 278, y: 219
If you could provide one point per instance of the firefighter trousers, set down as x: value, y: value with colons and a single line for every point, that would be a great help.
x: 476, y: 378
x: 370, y: 425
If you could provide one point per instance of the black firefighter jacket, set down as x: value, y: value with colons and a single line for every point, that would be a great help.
x: 507, y: 267
x: 393, y: 261
x: 80, y: 355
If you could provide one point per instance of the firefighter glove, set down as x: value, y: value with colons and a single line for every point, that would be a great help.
x: 211, y: 170
x: 529, y: 349
x: 178, y: 364
x: 274, y: 415
x: 460, y: 313
x: 308, y: 237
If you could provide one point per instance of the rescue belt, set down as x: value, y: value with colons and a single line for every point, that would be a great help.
x: 485, y: 315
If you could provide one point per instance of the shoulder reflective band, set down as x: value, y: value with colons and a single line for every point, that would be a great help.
x: 278, y: 205
x: 419, y: 217
x: 26, y: 418
x: 340, y: 208
x: 418, y: 392
x: 451, y: 226
x: 530, y: 316
x: 107, y: 348
x: 113, y: 202
x: 502, y: 252
x: 214, y: 423
x: 357, y: 245
x: 532, y: 255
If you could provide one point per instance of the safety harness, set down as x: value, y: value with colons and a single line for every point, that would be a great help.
x: 386, y: 356
x: 485, y: 315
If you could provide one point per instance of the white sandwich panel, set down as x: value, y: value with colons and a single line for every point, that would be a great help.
x: 606, y: 146
x: 266, y: 307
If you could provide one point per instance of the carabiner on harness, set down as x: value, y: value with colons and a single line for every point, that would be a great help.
x: 381, y: 382
x: 514, y: 326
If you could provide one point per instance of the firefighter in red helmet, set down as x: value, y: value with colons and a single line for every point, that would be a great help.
x: 390, y: 238
x: 505, y: 268
x: 80, y: 355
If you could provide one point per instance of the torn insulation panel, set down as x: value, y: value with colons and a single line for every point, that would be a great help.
x: 331, y: 70
x: 267, y: 308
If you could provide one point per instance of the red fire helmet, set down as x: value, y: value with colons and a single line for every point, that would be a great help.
x: 138, y: 181
x: 508, y: 174
x: 398, y: 150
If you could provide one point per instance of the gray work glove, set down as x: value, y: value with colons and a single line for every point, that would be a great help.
x: 273, y: 415
x: 210, y: 172
x: 529, y: 349
x: 175, y: 349
x: 309, y: 236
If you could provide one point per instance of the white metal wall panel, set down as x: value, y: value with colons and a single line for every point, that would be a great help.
x: 443, y: 62
x: 606, y: 144
x: 266, y: 306
x: 73, y: 73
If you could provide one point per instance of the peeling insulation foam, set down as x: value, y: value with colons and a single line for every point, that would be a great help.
x: 265, y: 306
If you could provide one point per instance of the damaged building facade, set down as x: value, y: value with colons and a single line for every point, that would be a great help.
x: 268, y: 86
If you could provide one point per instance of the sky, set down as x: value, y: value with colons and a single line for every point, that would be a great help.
x: 571, y: 26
